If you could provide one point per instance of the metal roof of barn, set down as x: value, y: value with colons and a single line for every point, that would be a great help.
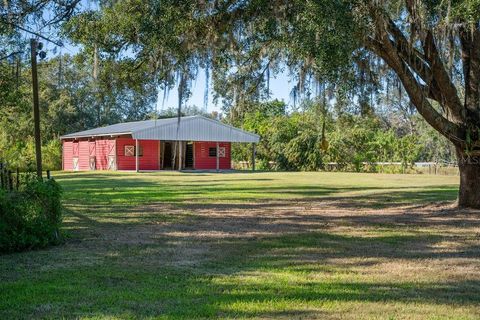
x: 192, y: 128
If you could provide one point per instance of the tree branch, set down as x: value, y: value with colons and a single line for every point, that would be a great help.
x: 430, y: 68
x: 442, y: 80
x: 471, y: 71
x: 384, y: 48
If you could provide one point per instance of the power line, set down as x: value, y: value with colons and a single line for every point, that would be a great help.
x: 58, y: 43
x: 11, y: 54
x: 34, y: 47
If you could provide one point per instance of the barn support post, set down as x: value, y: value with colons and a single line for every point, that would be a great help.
x: 254, y: 151
x: 217, y: 157
x: 136, y: 155
x: 180, y: 154
x: 115, y: 154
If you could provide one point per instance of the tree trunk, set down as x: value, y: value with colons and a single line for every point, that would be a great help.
x: 469, y: 193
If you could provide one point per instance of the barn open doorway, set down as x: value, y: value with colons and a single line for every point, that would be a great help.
x: 189, y: 155
x: 167, y: 155
x: 180, y: 152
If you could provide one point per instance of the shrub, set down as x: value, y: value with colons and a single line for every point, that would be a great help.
x: 30, y: 218
x: 21, y: 154
x: 52, y: 155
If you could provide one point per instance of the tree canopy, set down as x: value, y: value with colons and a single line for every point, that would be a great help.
x: 430, y: 47
x: 320, y: 42
x: 344, y: 52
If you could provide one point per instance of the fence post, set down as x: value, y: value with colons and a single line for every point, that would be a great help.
x: 10, y: 180
x: 1, y: 177
x: 18, y: 179
x: 48, y: 174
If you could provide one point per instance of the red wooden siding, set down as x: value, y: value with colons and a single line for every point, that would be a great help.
x: 204, y: 161
x: 83, y: 155
x: 149, y: 160
x: 102, y: 147
x: 67, y: 155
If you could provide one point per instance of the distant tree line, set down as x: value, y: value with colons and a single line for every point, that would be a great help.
x: 306, y: 137
x: 71, y: 99
x: 311, y: 137
x: 117, y: 73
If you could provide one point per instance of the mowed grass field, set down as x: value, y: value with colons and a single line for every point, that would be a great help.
x: 171, y: 245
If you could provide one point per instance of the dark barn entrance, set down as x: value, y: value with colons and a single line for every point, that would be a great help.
x: 167, y: 156
x: 189, y: 156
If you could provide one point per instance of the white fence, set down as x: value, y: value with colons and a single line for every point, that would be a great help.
x: 438, y: 168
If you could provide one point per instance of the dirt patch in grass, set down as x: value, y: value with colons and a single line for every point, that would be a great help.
x: 397, y: 243
x: 300, y: 258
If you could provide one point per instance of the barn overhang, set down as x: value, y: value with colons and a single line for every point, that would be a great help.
x: 198, y: 129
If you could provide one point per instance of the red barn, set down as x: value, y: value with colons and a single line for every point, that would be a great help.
x: 193, y: 142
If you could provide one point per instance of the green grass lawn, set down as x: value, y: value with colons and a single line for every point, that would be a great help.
x: 171, y: 245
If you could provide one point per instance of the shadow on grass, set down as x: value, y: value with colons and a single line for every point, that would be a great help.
x: 247, y: 278
x: 144, y: 248
x: 108, y: 189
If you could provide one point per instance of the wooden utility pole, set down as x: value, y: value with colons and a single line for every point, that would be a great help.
x: 36, y: 108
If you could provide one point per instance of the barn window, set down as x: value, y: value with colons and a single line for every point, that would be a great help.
x: 129, y: 151
x: 212, y: 152
x: 221, y: 152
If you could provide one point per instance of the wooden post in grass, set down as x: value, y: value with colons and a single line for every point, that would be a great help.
x: 17, y: 178
x: 10, y: 180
